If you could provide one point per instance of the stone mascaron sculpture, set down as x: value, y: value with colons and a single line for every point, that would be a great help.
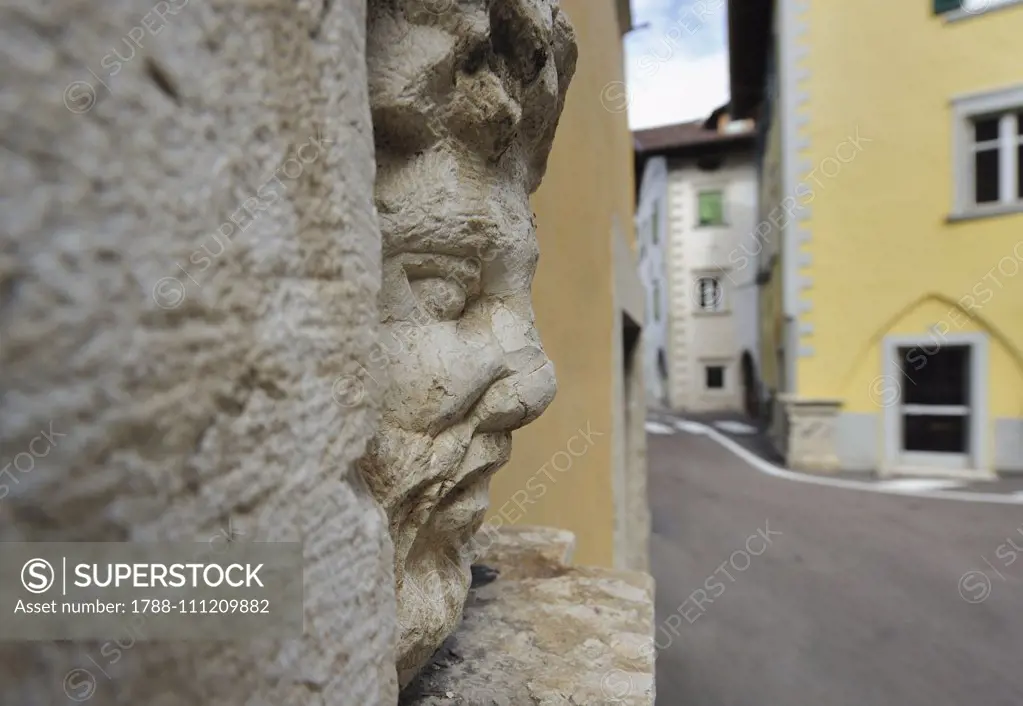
x: 465, y: 98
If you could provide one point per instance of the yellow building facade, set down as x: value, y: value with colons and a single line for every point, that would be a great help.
x: 581, y: 466
x: 892, y: 274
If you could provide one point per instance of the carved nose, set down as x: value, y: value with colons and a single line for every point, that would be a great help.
x: 520, y: 397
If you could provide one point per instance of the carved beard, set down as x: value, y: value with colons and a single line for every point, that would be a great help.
x: 433, y: 490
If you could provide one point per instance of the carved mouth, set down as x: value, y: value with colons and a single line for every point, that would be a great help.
x: 486, y: 453
x: 486, y: 467
x: 470, y: 497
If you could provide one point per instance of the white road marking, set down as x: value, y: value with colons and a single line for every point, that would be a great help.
x: 912, y: 485
x: 870, y: 487
x: 658, y: 428
x: 689, y: 427
x: 735, y: 427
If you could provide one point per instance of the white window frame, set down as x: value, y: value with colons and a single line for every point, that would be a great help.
x: 1009, y: 103
x: 722, y: 305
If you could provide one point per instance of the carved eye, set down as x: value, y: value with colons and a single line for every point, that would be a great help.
x: 442, y: 298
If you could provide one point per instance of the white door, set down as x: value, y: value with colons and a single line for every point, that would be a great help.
x: 935, y: 407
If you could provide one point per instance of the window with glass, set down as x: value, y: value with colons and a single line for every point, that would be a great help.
x: 989, y: 176
x: 711, y: 208
x: 998, y: 158
x: 714, y: 377
x: 709, y: 296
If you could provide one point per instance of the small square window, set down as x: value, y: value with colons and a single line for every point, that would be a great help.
x: 709, y: 296
x: 711, y: 208
x: 715, y: 377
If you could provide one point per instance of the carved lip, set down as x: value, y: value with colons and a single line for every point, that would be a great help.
x: 480, y: 463
x: 486, y: 454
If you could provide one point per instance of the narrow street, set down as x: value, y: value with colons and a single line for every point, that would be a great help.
x: 772, y: 592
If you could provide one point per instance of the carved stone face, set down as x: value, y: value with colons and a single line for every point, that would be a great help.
x: 465, y: 96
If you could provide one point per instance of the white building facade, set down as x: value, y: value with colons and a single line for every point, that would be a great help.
x: 703, y: 266
x: 651, y: 233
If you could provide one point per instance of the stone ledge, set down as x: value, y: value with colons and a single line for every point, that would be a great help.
x: 544, y: 633
x: 525, y: 552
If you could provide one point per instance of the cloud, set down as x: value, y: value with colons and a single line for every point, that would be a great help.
x: 695, y: 27
x: 682, y: 89
x: 646, y: 10
x: 677, y: 68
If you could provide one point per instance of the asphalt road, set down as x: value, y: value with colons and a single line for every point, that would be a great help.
x: 777, y: 593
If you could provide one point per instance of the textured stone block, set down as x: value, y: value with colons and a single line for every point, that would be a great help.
x: 189, y: 262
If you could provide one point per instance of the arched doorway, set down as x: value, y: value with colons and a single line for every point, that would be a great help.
x: 751, y: 399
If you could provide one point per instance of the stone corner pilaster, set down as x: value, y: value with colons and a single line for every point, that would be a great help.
x: 809, y: 433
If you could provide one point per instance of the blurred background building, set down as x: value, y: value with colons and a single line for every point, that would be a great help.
x: 696, y: 206
x: 891, y: 320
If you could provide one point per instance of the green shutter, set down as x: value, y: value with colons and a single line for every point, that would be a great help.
x: 943, y: 6
x: 711, y: 207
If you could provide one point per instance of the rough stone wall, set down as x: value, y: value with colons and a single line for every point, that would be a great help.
x: 189, y: 266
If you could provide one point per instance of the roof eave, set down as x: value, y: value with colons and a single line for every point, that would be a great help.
x: 734, y: 144
x: 727, y: 142
x: 731, y: 144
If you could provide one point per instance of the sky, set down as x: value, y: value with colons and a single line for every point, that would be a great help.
x: 676, y: 69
